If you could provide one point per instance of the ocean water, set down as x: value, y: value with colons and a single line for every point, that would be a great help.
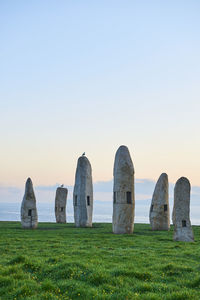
x: 11, y: 197
x: 11, y: 212
x: 102, y: 212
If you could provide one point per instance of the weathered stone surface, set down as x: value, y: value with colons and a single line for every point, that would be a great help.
x: 159, y: 211
x: 181, y: 212
x: 123, y: 192
x: 173, y: 218
x: 29, y: 217
x: 60, y: 204
x: 83, y: 193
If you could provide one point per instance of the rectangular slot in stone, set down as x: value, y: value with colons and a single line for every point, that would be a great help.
x: 88, y: 200
x: 183, y: 223
x: 165, y: 207
x: 30, y: 212
x: 128, y: 198
x: 62, y: 209
x: 114, y: 197
x: 151, y: 207
x: 75, y: 200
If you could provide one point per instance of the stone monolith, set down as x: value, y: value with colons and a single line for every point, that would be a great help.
x: 123, y: 192
x: 83, y: 193
x: 173, y: 218
x: 60, y: 204
x: 29, y: 217
x: 181, y: 212
x: 159, y: 211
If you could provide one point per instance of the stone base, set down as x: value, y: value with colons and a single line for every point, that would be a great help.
x: 183, y: 234
x: 161, y: 227
x: 83, y: 225
x: 123, y: 228
x: 28, y: 225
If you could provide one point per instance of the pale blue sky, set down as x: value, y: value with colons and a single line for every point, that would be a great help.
x: 89, y: 76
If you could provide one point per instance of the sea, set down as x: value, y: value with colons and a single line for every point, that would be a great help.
x: 102, y: 212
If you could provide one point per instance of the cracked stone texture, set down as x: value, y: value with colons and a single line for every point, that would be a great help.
x: 173, y: 218
x: 181, y: 212
x: 123, y: 204
x: 29, y: 216
x: 83, y: 189
x: 60, y: 204
x: 159, y: 215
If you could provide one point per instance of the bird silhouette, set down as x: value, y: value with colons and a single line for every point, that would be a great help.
x: 62, y: 185
x: 83, y: 154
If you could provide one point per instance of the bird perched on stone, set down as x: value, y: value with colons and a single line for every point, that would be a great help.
x: 83, y: 154
x: 62, y: 185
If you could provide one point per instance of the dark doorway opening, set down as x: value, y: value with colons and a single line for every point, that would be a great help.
x: 183, y: 223
x: 128, y: 198
x: 114, y: 197
x: 75, y: 200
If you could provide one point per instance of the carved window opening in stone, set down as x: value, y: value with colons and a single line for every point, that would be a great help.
x: 183, y: 223
x: 75, y: 200
x: 151, y: 207
x: 62, y: 209
x: 56, y: 208
x: 30, y: 212
x: 165, y: 207
x: 88, y: 200
x: 128, y: 198
x: 114, y: 197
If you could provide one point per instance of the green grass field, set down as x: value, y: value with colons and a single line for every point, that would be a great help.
x: 59, y: 261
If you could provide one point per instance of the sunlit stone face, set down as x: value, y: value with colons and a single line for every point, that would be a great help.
x: 181, y: 211
x: 29, y: 216
x: 123, y: 192
x: 83, y: 193
x: 60, y: 204
x: 159, y: 210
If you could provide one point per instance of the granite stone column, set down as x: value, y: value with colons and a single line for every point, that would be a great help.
x: 60, y: 204
x: 83, y: 193
x: 29, y: 216
x: 123, y: 192
x: 181, y: 212
x: 159, y: 211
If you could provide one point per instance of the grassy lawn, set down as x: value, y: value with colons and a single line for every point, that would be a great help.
x: 59, y: 261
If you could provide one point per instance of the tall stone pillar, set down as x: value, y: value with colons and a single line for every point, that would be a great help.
x: 60, y: 204
x: 181, y: 212
x: 123, y: 192
x: 29, y: 216
x: 159, y: 211
x: 83, y: 193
